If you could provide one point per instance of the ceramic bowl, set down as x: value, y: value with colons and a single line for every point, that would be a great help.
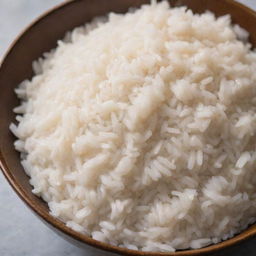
x: 40, y: 37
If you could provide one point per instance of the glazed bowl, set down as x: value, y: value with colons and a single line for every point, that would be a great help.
x: 41, y: 36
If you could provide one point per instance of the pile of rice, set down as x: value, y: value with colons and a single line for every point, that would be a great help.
x: 139, y: 131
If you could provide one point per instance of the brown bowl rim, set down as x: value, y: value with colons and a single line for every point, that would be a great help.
x: 59, y: 225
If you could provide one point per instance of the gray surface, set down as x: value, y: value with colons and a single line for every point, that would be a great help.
x: 21, y: 233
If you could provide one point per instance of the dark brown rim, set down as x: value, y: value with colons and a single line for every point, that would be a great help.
x: 86, y: 239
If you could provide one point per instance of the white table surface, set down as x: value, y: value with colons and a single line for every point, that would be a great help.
x: 21, y: 233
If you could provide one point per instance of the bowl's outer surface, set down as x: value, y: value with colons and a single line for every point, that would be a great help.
x: 41, y: 37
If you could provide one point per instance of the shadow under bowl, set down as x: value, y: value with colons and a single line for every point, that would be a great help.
x: 41, y: 36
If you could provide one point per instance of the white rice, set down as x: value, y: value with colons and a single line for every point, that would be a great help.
x: 140, y: 131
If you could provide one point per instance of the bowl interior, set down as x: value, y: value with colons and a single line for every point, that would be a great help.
x: 42, y: 36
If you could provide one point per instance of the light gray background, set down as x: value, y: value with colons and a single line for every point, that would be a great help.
x: 21, y: 233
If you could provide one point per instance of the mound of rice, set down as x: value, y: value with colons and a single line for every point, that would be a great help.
x: 140, y: 130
